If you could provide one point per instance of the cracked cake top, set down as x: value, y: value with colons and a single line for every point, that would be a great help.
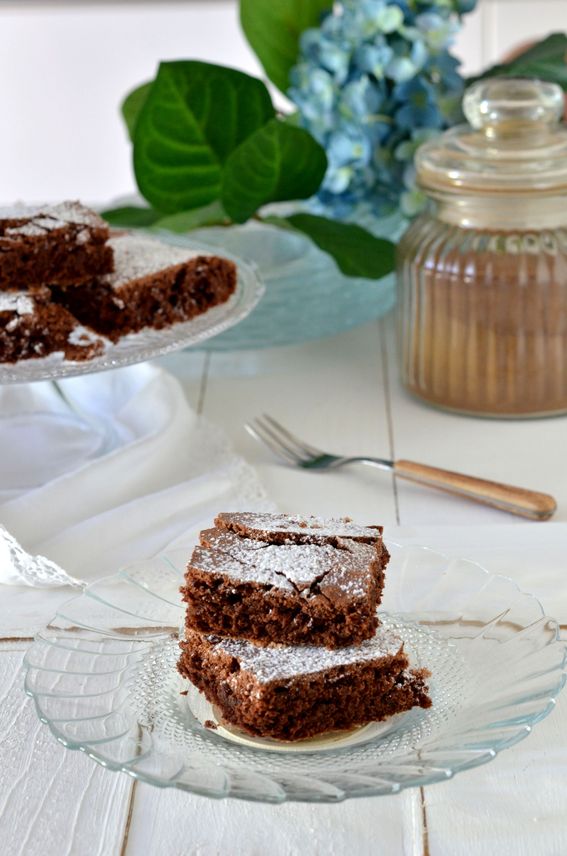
x: 305, y: 568
x: 281, y: 662
x: 283, y: 528
x: 294, y: 580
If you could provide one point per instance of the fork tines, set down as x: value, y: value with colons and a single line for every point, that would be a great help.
x: 280, y: 441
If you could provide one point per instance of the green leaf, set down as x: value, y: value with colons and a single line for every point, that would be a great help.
x: 276, y: 163
x: 132, y: 105
x: 356, y: 251
x: 546, y: 60
x: 549, y: 71
x: 553, y: 47
x: 131, y: 216
x: 194, y: 116
x: 273, y: 28
x: 210, y: 215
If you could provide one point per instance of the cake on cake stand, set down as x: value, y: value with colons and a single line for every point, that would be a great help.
x: 44, y: 433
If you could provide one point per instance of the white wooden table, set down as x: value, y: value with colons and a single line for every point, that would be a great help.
x: 342, y: 393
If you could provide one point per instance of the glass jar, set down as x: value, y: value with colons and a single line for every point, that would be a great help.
x: 482, y: 276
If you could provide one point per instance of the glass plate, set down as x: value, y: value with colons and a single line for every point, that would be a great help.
x: 148, y: 343
x: 307, y: 297
x: 103, y: 678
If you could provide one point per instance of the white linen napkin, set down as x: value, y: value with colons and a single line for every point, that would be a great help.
x: 159, y: 477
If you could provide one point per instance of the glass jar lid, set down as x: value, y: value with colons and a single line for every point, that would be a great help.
x: 514, y: 143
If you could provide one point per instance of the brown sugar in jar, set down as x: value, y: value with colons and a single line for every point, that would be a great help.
x: 483, y: 275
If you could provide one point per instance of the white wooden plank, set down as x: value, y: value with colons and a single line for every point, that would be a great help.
x: 24, y: 610
x: 521, y: 452
x: 330, y: 393
x: 171, y: 822
x: 517, y: 804
x: 514, y: 806
x: 52, y: 800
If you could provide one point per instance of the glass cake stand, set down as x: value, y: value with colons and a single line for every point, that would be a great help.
x: 63, y: 438
x: 103, y: 677
x: 149, y: 344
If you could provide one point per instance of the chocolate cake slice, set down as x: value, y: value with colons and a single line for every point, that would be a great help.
x: 153, y: 285
x: 52, y: 244
x: 290, y: 693
x: 322, y: 588
x: 32, y: 326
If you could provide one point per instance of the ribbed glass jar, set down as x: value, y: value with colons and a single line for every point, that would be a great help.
x: 482, y: 276
x: 484, y: 318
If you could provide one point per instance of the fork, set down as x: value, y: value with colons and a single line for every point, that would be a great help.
x: 292, y: 450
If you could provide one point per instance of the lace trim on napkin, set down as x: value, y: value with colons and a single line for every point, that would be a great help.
x: 212, y: 453
x: 24, y: 569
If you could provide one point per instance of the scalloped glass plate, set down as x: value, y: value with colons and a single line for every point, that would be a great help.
x: 148, y: 343
x: 103, y: 678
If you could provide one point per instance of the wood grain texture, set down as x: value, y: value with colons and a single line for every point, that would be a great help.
x: 515, y: 500
x: 25, y: 610
x: 58, y: 802
x: 333, y: 390
x: 330, y: 393
x: 172, y: 823
x: 516, y: 805
x: 52, y: 801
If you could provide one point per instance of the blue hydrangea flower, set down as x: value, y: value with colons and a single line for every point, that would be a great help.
x: 372, y: 83
x: 418, y: 105
x: 349, y: 145
x: 406, y: 150
x: 374, y: 58
x: 360, y: 100
x: 437, y: 31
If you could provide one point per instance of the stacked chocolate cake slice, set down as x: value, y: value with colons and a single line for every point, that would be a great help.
x: 282, y: 633
x: 55, y: 245
x: 67, y: 285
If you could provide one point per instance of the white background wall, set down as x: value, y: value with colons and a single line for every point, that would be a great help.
x: 65, y: 66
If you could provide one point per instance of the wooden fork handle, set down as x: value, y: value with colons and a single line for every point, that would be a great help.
x: 505, y: 497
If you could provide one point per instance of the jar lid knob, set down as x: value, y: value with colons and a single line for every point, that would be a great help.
x: 503, y: 106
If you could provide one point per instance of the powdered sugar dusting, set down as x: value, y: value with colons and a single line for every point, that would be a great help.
x: 290, y: 566
x: 229, y: 566
x: 280, y: 662
x: 136, y: 256
x: 298, y: 525
x: 17, y: 302
x: 81, y: 336
x: 37, y: 220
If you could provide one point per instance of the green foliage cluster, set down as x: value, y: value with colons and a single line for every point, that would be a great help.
x: 209, y: 148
